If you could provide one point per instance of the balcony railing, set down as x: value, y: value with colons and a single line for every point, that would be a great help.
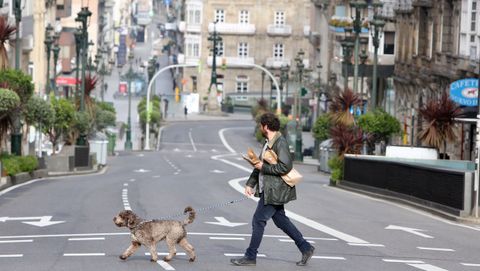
x: 277, y: 62
x: 184, y: 27
x: 183, y: 59
x: 279, y: 30
x: 233, y: 62
x: 239, y: 29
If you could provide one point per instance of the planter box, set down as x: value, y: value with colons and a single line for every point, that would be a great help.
x: 21, y: 178
x: 39, y: 173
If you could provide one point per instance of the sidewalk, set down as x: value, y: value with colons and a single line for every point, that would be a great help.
x: 205, y: 117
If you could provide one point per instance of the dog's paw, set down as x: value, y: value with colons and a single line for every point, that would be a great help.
x: 122, y: 257
x: 153, y: 260
x: 192, y: 259
x: 166, y: 259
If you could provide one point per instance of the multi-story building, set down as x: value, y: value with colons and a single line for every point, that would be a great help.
x: 268, y: 33
x: 437, y: 45
x: 331, y: 27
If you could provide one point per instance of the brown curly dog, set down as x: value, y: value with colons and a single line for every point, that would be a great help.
x: 150, y: 232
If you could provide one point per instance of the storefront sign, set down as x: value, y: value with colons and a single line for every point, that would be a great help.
x: 465, y: 92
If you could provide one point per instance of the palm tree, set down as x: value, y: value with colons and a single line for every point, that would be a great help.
x: 6, y: 31
x: 347, y: 139
x: 440, y: 116
x: 340, y: 107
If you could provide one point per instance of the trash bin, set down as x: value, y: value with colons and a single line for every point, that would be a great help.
x: 326, y: 151
x: 98, y: 145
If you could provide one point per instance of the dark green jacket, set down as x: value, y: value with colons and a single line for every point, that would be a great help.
x: 276, y: 191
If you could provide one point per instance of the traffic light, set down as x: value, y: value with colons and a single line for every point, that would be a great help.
x: 224, y: 63
x: 177, y: 95
x: 303, y: 91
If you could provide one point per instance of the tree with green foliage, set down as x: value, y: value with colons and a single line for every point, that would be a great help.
x: 64, y: 118
x: 321, y: 128
x: 380, y: 125
x: 39, y: 113
x: 8, y: 101
x: 155, y: 114
x: 105, y: 115
x: 21, y: 84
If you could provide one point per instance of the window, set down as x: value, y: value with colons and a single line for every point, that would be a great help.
x: 279, y: 18
x: 242, y: 84
x: 220, y: 15
x: 244, y: 17
x: 474, y: 5
x: 472, y: 38
x: 473, y: 20
x: 220, y: 48
x: 194, y: 16
x: 243, y: 49
x: 278, y: 51
x: 473, y: 52
x: 192, y: 45
x: 389, y: 43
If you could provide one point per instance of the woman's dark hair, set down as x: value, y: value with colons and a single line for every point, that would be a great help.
x: 271, y: 120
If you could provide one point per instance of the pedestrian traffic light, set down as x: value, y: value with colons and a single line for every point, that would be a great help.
x: 224, y: 63
x: 303, y: 91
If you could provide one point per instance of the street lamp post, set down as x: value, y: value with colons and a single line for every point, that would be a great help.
x: 377, y: 25
x: 363, y: 60
x: 78, y: 47
x: 17, y: 9
x: 357, y: 27
x: 284, y: 80
x: 214, y: 38
x: 48, y: 49
x: 130, y: 74
x: 347, y: 46
x: 298, y: 137
x: 82, y: 17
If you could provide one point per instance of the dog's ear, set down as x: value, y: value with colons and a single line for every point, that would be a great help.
x: 131, y: 219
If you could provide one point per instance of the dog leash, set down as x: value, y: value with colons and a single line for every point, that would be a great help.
x: 208, y: 208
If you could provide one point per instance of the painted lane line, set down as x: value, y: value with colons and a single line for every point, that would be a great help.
x: 291, y: 241
x: 227, y: 238
x: 87, y: 239
x: 126, y: 204
x: 191, y: 140
x: 365, y: 245
x: 427, y: 267
x: 11, y: 255
x: 16, y: 241
x: 125, y: 184
x: 436, y: 249
x: 401, y: 261
x: 132, y: 180
x: 166, y: 253
x: 235, y: 183
x: 471, y: 264
x: 102, y: 234
x: 83, y: 254
x: 165, y: 265
x: 242, y: 254
x: 328, y: 258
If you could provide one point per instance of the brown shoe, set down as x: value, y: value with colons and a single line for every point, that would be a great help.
x: 306, y: 256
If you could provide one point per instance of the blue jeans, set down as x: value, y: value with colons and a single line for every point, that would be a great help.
x: 277, y: 212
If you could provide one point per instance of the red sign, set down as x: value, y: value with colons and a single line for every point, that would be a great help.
x: 70, y: 81
x: 122, y: 87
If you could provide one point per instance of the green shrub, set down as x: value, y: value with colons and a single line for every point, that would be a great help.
x: 28, y: 163
x: 13, y: 165
x: 321, y: 128
x: 336, y: 165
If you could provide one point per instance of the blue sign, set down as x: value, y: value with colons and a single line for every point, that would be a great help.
x: 465, y: 92
x: 167, y: 2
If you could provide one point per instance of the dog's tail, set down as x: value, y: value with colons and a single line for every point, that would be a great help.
x: 191, y: 215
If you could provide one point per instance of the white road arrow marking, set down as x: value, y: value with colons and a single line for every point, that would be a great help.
x: 409, y: 230
x: 141, y: 170
x: 43, y: 220
x: 222, y: 221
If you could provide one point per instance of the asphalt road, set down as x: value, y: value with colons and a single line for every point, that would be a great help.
x: 66, y: 223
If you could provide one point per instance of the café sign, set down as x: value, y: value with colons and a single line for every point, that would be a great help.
x: 465, y: 92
